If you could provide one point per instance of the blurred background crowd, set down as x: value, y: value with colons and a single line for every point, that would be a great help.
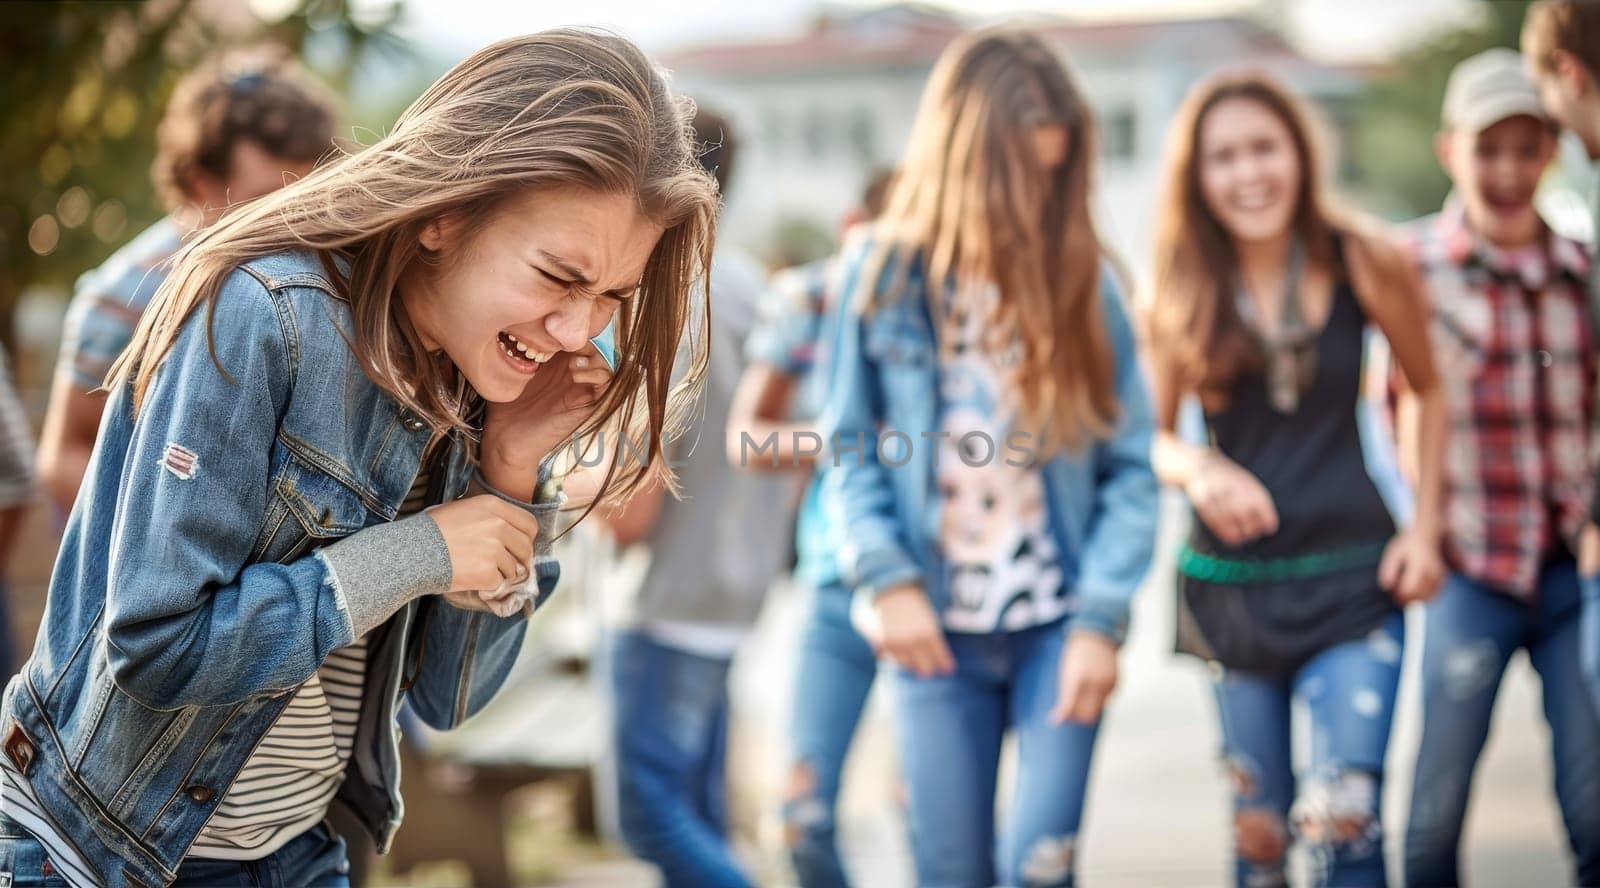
x: 820, y: 99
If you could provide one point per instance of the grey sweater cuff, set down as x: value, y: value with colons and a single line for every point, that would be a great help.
x: 378, y: 570
x: 546, y: 507
x: 545, y: 571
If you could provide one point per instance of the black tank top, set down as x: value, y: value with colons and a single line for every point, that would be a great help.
x: 1309, y: 460
x: 1311, y: 463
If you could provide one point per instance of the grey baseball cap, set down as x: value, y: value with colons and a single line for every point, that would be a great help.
x: 1488, y: 88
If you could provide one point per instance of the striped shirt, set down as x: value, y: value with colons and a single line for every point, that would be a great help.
x: 285, y: 785
x: 16, y: 443
x: 108, y: 301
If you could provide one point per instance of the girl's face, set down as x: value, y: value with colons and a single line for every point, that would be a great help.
x: 543, y: 276
x: 1249, y: 171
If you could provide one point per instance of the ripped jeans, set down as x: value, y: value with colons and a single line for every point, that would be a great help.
x: 950, y: 729
x: 1471, y: 632
x: 1348, y: 691
x: 835, y: 675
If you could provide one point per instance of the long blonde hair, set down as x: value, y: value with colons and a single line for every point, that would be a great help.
x: 976, y: 204
x: 553, y: 109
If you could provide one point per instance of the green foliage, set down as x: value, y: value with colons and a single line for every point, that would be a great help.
x: 797, y: 240
x: 1399, y: 114
x: 82, y: 90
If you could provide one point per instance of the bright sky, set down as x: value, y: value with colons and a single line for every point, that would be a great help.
x: 1343, y: 30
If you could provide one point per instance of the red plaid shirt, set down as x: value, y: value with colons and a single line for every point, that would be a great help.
x: 1513, y: 341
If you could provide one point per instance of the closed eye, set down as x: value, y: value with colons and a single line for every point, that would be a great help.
x: 558, y: 281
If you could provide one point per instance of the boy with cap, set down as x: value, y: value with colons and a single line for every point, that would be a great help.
x: 1517, y: 352
x: 1561, y: 41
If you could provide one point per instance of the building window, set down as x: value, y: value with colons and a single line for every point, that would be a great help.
x: 1118, y: 134
x: 863, y: 129
x: 772, y: 132
x: 816, y: 133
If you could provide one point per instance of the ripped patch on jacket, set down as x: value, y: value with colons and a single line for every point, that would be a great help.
x: 180, y: 461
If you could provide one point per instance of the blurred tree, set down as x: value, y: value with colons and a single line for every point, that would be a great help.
x: 83, y: 88
x: 797, y: 240
x: 1399, y: 113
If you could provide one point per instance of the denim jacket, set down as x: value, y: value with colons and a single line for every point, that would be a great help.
x: 883, y: 392
x: 227, y: 538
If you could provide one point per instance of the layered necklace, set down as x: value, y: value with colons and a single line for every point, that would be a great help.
x: 1290, y: 351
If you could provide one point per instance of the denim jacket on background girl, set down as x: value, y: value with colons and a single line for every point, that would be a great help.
x: 212, y: 562
x: 884, y: 387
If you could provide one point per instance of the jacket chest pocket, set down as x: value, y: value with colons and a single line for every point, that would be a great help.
x: 307, y: 508
x: 904, y: 355
x: 897, y: 338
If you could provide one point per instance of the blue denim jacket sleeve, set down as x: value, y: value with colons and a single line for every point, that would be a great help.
x: 856, y: 489
x: 189, y: 622
x: 1119, y: 537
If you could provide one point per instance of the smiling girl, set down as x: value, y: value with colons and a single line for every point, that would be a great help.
x: 249, y: 585
x: 1293, y: 577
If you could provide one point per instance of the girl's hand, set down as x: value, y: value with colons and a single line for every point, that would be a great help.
x: 1233, y: 503
x: 909, y: 632
x: 1412, y: 569
x: 518, y: 435
x: 490, y: 542
x: 1087, y: 678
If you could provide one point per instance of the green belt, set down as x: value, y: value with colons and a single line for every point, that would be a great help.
x: 1213, y: 569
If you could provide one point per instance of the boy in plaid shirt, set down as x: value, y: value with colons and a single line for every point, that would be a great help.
x: 1512, y: 329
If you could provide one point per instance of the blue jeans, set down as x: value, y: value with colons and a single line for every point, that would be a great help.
x: 950, y: 729
x: 835, y: 675
x: 1349, y: 692
x: 1472, y: 631
x: 1589, y: 639
x: 314, y: 859
x: 670, y: 732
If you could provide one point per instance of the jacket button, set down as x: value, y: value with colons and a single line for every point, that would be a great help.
x: 413, y: 424
x: 199, y: 794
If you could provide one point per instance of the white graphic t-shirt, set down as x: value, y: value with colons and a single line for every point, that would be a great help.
x: 1000, y: 556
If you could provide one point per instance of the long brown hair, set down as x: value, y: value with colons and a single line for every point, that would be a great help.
x: 979, y: 208
x: 554, y: 109
x: 1194, y: 328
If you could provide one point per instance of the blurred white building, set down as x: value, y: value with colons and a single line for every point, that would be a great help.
x: 818, y: 113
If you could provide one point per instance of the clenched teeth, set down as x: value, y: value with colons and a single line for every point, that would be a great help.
x: 516, y: 348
